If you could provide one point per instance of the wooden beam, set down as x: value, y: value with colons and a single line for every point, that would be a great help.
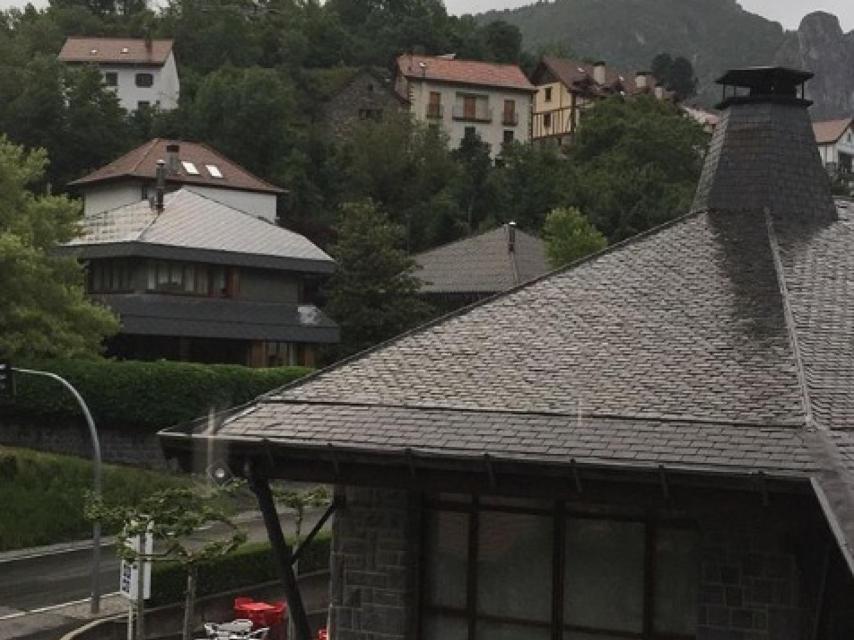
x: 281, y: 551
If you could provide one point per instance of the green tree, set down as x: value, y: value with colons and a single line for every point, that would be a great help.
x: 636, y: 163
x: 372, y: 294
x: 676, y: 74
x: 43, y: 312
x: 569, y: 236
x: 503, y: 41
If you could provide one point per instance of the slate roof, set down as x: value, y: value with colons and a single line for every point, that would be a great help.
x: 194, y: 227
x: 482, y: 263
x: 471, y: 72
x: 165, y: 315
x: 829, y: 131
x: 135, y: 51
x: 142, y: 163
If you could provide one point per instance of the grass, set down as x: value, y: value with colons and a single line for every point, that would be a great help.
x: 42, y: 495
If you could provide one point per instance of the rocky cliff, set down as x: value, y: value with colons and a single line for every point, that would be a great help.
x: 820, y: 45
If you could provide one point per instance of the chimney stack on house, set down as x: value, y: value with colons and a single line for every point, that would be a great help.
x: 172, y: 155
x: 599, y: 72
x: 160, y: 186
x: 511, y: 237
x: 763, y: 155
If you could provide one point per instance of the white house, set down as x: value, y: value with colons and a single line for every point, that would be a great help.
x: 131, y: 178
x: 467, y: 97
x: 141, y: 71
x: 835, y: 140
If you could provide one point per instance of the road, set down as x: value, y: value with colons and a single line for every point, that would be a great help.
x: 36, y: 583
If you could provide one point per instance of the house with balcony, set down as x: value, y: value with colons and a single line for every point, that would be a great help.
x: 467, y: 97
x: 565, y: 88
x: 194, y: 279
x: 131, y: 178
x: 141, y: 71
x: 835, y: 139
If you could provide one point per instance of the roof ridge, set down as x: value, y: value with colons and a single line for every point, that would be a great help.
x: 222, y: 156
x: 471, y: 237
x: 152, y: 144
x: 789, y: 317
x: 488, y: 300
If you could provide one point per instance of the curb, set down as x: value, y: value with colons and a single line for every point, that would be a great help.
x: 53, y: 549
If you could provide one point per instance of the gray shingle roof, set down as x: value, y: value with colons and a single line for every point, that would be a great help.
x: 195, y: 227
x: 482, y: 263
x: 165, y: 315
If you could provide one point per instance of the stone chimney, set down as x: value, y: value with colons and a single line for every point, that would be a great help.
x: 173, y: 150
x: 599, y: 72
x: 642, y: 80
x: 763, y: 153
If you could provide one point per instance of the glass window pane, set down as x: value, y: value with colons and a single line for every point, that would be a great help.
x: 604, y: 579
x: 505, y: 631
x: 189, y: 280
x: 447, y: 554
x: 514, y: 565
x: 437, y: 627
x: 202, y: 280
x: 676, y: 580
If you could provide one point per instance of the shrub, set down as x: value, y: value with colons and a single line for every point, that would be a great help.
x: 148, y: 395
x: 43, y: 495
x: 251, y: 564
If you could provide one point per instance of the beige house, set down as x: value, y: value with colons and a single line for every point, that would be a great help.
x: 565, y: 88
x: 142, y: 72
x: 466, y: 97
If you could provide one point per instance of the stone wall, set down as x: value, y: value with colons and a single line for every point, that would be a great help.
x: 363, y: 93
x: 373, y: 562
x: 118, y: 445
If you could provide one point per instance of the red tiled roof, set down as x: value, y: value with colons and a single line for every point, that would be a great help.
x: 488, y: 74
x: 574, y: 73
x: 829, y: 131
x: 142, y: 163
x: 115, y: 50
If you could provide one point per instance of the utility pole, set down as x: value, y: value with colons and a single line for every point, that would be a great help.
x: 95, y: 603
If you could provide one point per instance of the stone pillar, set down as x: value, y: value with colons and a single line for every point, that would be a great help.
x: 374, y: 556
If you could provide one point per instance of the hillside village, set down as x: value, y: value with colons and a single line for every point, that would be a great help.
x: 541, y: 346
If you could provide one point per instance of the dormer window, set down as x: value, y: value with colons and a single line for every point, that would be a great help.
x: 190, y: 168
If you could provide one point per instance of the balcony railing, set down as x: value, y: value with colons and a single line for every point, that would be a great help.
x: 479, y: 115
x: 434, y: 111
x: 510, y: 118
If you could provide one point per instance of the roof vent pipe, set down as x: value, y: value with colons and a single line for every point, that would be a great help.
x: 599, y: 74
x: 160, y: 187
x: 172, y: 151
x: 511, y: 237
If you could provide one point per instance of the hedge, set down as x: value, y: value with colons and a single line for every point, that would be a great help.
x: 148, y: 395
x: 251, y: 564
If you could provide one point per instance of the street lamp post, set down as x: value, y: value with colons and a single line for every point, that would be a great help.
x: 96, y: 449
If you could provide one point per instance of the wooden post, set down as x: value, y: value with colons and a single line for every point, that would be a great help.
x: 282, y: 553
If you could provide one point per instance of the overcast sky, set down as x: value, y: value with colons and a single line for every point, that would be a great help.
x: 788, y: 12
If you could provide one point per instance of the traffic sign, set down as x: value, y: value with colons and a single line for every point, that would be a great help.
x: 129, y: 571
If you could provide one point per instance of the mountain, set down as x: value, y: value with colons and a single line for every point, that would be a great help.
x: 714, y: 35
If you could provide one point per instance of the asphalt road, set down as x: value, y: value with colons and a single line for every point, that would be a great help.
x: 38, y: 582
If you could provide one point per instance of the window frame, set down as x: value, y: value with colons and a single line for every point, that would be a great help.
x: 143, y: 74
x: 111, y: 75
x: 558, y: 513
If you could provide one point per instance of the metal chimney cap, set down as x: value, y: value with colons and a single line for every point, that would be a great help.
x: 764, y: 84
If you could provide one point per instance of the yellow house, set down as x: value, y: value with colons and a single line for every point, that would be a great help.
x: 565, y: 88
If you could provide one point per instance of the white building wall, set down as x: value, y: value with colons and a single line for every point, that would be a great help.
x: 491, y: 132
x: 103, y: 197
x: 262, y: 205
x: 163, y: 92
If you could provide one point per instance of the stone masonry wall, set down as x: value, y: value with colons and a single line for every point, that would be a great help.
x: 373, y: 565
x: 119, y: 446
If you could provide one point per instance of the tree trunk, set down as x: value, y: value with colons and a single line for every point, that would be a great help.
x: 190, y: 603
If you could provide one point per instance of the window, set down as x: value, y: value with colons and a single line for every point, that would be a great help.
x: 469, y: 107
x: 213, y: 170
x: 510, y: 117
x: 371, y: 114
x: 144, y: 79
x: 190, y: 168
x: 529, y: 571
x: 143, y: 104
x: 547, y: 120
x: 508, y: 136
x: 548, y: 92
x: 434, y: 106
x: 107, y: 276
x: 470, y: 132
x: 280, y: 354
x: 370, y: 87
x: 111, y: 79
x: 179, y: 277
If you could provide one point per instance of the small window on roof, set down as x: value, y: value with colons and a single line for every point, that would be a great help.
x: 93, y: 52
x: 190, y: 168
x: 213, y: 170
x: 125, y: 50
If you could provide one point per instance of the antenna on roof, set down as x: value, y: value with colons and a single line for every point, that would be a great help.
x: 160, y: 186
x: 511, y: 236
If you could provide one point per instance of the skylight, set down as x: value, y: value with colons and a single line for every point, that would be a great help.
x: 125, y: 50
x: 213, y: 170
x: 93, y: 52
x: 190, y: 168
